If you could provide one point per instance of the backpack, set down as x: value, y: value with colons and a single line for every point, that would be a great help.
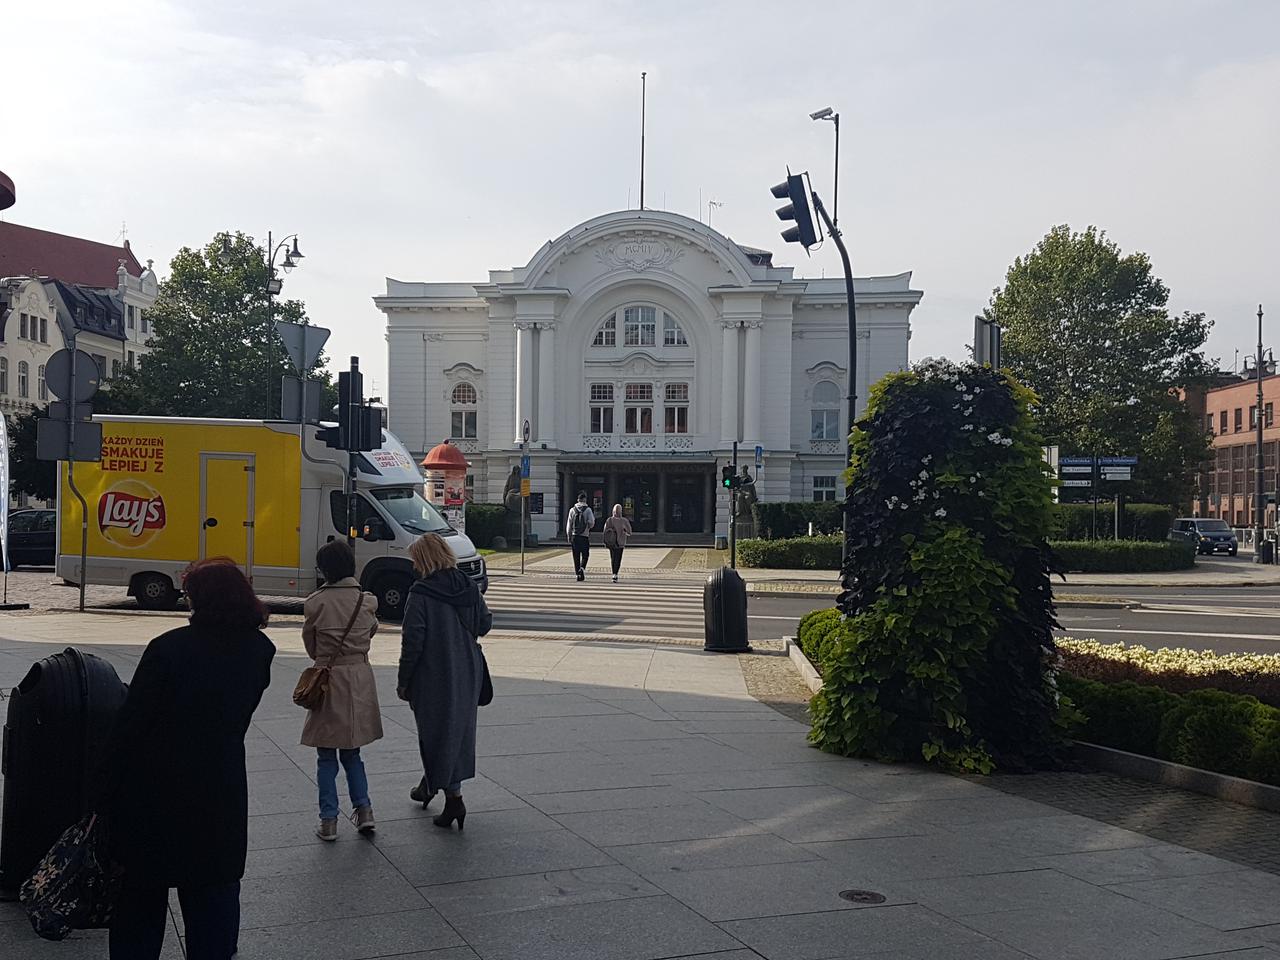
x: 580, y: 526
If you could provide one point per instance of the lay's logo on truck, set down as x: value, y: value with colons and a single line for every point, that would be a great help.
x: 130, y: 514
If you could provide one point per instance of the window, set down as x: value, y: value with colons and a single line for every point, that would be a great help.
x: 338, y: 511
x: 44, y: 329
x: 22, y: 326
x: 132, y: 312
x: 42, y: 388
x: 639, y: 419
x: 672, y: 335
x: 607, y: 335
x: 145, y: 322
x: 462, y: 423
x: 1239, y: 419
x: 1208, y: 422
x: 101, y: 361
x: 677, y: 408
x: 115, y: 369
x: 4, y: 375
x: 824, y: 488
x: 639, y: 326
x: 824, y: 419
x: 24, y: 376
x: 601, y: 408
x: 1253, y: 417
x: 1268, y: 415
x: 130, y: 359
x: 1222, y: 422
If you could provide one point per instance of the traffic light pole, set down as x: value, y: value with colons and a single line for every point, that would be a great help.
x: 852, y: 375
x: 733, y: 512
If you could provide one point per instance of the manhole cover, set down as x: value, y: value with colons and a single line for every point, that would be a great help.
x: 862, y: 896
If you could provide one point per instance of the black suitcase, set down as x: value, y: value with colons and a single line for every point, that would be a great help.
x: 55, y: 731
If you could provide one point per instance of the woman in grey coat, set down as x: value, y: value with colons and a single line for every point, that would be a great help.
x: 441, y: 672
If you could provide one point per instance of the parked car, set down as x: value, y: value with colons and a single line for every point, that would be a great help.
x: 1209, y: 536
x: 32, y: 538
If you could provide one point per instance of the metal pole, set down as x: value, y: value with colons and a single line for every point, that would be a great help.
x: 1260, y: 492
x: 835, y: 202
x: 852, y: 375
x: 71, y: 472
x: 733, y: 512
x: 351, y: 499
x: 523, y: 502
x: 1093, y: 491
x: 271, y: 345
x: 643, y: 97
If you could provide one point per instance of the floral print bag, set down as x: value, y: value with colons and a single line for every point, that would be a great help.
x: 76, y: 885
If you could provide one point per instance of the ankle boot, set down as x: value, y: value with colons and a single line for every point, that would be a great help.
x: 454, y: 809
x: 419, y: 794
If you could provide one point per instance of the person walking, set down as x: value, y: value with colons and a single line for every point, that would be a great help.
x: 577, y: 529
x: 616, y: 531
x: 173, y: 784
x: 442, y: 672
x: 339, y: 622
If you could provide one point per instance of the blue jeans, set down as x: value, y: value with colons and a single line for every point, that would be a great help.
x: 327, y: 777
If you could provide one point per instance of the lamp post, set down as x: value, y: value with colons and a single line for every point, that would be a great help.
x: 1263, y: 365
x: 826, y: 113
x: 272, y: 286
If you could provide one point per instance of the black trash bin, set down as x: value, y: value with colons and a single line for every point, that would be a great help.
x: 1267, y: 551
x: 724, y: 609
x: 58, y: 721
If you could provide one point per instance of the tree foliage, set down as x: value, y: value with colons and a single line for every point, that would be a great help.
x: 948, y: 638
x: 36, y: 478
x: 1088, y: 329
x: 211, y: 352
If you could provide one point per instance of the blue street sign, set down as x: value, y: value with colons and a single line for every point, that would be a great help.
x: 524, y: 467
x: 759, y: 457
x: 1118, y: 461
x: 1075, y: 461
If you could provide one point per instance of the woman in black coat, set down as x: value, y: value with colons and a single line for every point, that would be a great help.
x: 174, y: 788
x: 441, y: 672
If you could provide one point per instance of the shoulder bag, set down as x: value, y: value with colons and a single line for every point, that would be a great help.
x: 75, y: 886
x: 314, y: 682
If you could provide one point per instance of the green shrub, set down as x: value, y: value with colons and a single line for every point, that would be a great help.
x: 813, y: 626
x: 1122, y: 556
x: 1264, y: 761
x: 1212, y: 730
x: 798, y: 553
x: 1126, y: 716
x: 1142, y: 521
x: 484, y: 522
x: 782, y: 519
x: 945, y: 652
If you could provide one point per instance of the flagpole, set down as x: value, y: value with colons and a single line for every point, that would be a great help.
x: 643, y: 95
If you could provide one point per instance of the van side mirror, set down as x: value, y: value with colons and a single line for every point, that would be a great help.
x: 375, y: 530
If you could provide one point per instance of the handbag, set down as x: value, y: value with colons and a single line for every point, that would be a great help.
x: 486, y: 682
x: 314, y: 682
x: 75, y: 886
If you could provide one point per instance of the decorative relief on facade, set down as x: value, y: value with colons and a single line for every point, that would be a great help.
x: 595, y: 441
x: 638, y: 441
x: 639, y: 254
x: 826, y: 447
x: 466, y: 446
x: 826, y: 370
x: 678, y: 442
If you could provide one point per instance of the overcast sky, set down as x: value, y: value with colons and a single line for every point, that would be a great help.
x: 433, y: 141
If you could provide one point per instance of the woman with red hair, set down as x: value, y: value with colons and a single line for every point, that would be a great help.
x: 175, y: 791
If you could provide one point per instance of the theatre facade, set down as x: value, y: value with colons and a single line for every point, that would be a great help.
x: 637, y: 347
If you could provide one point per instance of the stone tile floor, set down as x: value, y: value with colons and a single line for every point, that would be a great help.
x: 635, y: 803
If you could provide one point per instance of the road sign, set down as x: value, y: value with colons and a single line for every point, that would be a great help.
x: 524, y: 431
x: 1076, y: 469
x: 524, y: 467
x: 303, y: 342
x: 536, y: 504
x: 1076, y: 483
x: 1118, y: 461
x: 524, y: 486
x: 759, y: 456
x: 57, y: 375
x: 58, y: 410
x: 300, y: 400
x: 1075, y: 461
x: 1117, y: 473
x: 51, y: 441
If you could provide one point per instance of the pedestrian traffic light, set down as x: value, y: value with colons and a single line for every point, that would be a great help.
x: 794, y: 190
x: 726, y: 477
x: 330, y: 436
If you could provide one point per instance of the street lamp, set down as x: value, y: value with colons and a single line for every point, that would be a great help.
x: 1263, y: 365
x: 826, y: 113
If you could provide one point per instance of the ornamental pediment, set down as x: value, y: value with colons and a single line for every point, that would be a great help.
x: 639, y: 253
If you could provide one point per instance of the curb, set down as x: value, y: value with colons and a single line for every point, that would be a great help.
x: 803, y: 667
x: 1248, y: 793
x: 1098, y: 605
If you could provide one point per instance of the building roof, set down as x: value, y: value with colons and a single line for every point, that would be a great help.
x: 90, y: 310
x: 70, y: 259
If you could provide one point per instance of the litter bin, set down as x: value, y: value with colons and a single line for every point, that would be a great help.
x: 1267, y: 551
x: 724, y: 609
x: 58, y: 721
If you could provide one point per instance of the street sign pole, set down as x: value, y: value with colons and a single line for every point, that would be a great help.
x: 1093, y: 492
x: 524, y: 485
x: 733, y: 512
x: 71, y: 476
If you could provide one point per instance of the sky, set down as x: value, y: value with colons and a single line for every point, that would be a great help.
x: 436, y: 141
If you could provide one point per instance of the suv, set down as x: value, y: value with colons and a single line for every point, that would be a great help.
x: 31, y: 537
x: 1208, y: 535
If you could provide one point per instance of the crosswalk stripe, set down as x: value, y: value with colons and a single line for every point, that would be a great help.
x: 672, y: 609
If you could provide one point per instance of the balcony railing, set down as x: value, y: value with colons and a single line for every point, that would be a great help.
x: 639, y: 442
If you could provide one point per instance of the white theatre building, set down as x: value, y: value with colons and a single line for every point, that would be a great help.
x: 638, y: 346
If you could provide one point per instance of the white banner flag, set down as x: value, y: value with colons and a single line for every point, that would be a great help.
x: 4, y: 490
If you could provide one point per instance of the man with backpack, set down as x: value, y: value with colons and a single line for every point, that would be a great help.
x: 577, y: 531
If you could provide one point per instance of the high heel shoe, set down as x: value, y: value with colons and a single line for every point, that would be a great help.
x: 454, y: 809
x: 419, y: 794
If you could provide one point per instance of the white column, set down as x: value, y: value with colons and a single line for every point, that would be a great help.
x: 753, y: 396
x: 524, y: 376
x: 729, y: 383
x: 545, y: 429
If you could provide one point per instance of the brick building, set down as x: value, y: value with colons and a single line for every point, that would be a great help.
x: 1226, y: 485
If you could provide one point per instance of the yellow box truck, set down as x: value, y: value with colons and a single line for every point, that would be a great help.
x: 169, y: 491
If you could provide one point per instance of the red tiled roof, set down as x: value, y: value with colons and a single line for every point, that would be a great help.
x: 70, y: 259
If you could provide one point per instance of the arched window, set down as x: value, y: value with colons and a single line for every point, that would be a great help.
x: 42, y: 388
x: 672, y: 334
x: 462, y: 418
x: 24, y: 375
x: 824, y: 422
x: 639, y: 327
x: 607, y: 335
x: 4, y: 375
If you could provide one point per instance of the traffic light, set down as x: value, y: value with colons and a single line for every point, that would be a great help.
x: 794, y: 190
x: 330, y: 436
x: 726, y: 477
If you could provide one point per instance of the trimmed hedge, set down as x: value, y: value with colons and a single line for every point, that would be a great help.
x: 1142, y: 521
x: 1210, y: 729
x: 780, y: 520
x: 484, y: 522
x: 817, y: 634
x: 1122, y: 556
x: 1175, y: 670
x: 797, y: 553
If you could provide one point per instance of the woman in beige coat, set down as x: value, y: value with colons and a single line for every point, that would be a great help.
x: 616, y: 531
x: 340, y: 621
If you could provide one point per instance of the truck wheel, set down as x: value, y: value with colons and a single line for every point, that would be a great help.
x: 154, y: 591
x: 392, y: 590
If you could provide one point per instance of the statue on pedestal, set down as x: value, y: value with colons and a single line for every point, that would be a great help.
x: 745, y: 497
x: 511, y: 499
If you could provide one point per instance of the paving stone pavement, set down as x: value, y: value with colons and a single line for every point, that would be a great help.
x: 634, y: 802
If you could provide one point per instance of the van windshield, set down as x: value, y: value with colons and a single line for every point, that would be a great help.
x: 1212, y: 526
x: 407, y: 508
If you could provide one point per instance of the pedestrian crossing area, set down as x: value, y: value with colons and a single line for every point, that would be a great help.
x: 642, y: 605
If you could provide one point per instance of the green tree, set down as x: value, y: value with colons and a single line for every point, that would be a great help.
x: 1087, y: 327
x: 214, y: 351
x: 35, y: 478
